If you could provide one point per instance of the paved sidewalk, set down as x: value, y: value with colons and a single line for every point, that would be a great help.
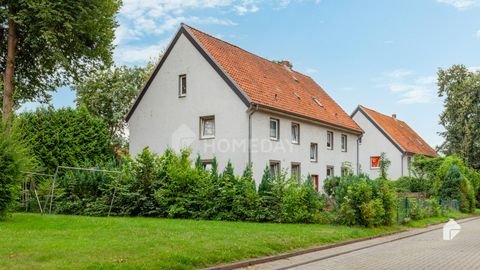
x: 416, y: 249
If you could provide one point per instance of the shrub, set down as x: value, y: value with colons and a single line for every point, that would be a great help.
x: 361, y: 201
x: 14, y: 159
x: 66, y: 137
x: 413, y: 184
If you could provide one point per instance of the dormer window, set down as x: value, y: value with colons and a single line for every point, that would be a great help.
x: 182, y: 85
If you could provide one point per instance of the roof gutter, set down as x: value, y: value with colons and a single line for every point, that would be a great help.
x: 308, y: 119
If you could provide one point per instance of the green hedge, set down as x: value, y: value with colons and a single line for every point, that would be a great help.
x: 67, y: 137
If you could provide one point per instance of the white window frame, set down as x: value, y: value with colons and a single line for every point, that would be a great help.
x: 277, y: 131
x: 330, y: 139
x: 344, y: 143
x: 299, y: 174
x: 182, y: 86
x: 297, y: 126
x: 332, y: 168
x: 315, y: 159
x: 203, y: 120
x: 275, y: 168
x: 206, y: 163
x: 379, y: 160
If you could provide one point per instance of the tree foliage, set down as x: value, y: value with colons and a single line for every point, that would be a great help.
x: 109, y: 93
x: 50, y: 43
x: 66, y: 137
x: 14, y: 159
x: 460, y: 89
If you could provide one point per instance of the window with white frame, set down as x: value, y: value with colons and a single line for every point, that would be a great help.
x: 275, y: 168
x: 295, y: 133
x: 330, y: 140
x: 375, y: 162
x: 182, y: 85
x: 344, y: 143
x: 295, y: 171
x: 313, y: 152
x: 330, y: 172
x: 207, y: 127
x: 274, y: 129
x: 207, y: 164
x: 345, y: 171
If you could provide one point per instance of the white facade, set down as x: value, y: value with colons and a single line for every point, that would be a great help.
x: 163, y: 119
x: 373, y: 143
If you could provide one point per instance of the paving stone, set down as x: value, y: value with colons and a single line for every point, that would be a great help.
x: 416, y: 249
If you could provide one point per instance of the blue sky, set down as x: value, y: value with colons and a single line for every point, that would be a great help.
x: 381, y: 54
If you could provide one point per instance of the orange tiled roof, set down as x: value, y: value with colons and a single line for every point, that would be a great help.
x: 272, y: 84
x: 401, y: 133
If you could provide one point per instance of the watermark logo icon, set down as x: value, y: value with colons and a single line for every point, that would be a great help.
x: 182, y: 137
x: 450, y: 230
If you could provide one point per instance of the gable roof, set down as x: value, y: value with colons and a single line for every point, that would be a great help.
x: 399, y: 132
x: 258, y: 81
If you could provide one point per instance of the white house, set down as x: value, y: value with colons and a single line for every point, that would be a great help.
x: 393, y: 137
x: 225, y: 102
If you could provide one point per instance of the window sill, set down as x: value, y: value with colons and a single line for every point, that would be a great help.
x: 207, y: 138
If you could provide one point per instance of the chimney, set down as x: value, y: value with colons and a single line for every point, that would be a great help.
x: 286, y: 64
x: 394, y: 116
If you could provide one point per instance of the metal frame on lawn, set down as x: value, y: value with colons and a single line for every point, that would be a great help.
x: 52, y: 189
x: 28, y: 187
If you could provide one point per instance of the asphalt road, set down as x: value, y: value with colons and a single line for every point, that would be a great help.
x: 418, y: 249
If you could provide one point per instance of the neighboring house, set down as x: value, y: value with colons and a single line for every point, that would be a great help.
x: 224, y: 102
x: 390, y: 135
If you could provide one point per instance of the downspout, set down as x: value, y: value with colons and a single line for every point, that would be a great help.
x: 358, y: 154
x: 253, y: 108
x: 403, y: 156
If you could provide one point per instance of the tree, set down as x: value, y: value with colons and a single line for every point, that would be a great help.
x: 460, y: 89
x: 13, y: 160
x: 110, y: 92
x: 46, y: 44
x: 384, y: 165
x: 66, y: 137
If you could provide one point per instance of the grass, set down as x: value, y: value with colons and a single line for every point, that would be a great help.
x: 32, y: 241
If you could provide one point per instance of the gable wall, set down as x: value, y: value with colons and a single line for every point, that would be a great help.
x: 374, y: 143
x: 163, y: 120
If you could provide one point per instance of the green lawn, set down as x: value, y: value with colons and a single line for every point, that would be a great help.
x: 31, y: 241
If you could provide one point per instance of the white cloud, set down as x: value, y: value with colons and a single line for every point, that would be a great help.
x: 478, y: 33
x: 139, y: 55
x: 398, y: 73
x: 461, y: 4
x: 311, y: 71
x: 473, y: 69
x: 413, y: 93
x: 409, y: 88
x: 147, y: 20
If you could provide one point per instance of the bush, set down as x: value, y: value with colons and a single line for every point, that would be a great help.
x: 361, y: 201
x: 13, y: 160
x: 413, y: 184
x: 65, y: 137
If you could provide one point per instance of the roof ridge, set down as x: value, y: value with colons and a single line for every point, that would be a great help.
x: 389, y: 116
x: 238, y: 47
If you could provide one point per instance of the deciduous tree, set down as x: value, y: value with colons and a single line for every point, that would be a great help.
x: 460, y: 89
x: 48, y: 43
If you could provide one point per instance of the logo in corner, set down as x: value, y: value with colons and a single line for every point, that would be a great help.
x: 450, y: 230
x: 183, y: 137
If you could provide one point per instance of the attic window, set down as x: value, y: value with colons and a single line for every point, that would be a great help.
x: 296, y: 95
x: 317, y: 101
x: 419, y: 142
x: 295, y: 78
